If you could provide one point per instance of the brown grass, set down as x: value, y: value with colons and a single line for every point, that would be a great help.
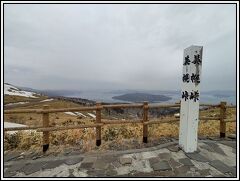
x: 84, y: 139
x: 13, y: 99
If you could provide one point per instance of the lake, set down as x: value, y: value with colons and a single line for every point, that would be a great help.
x: 106, y: 96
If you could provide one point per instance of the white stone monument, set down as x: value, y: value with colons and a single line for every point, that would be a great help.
x: 189, y: 111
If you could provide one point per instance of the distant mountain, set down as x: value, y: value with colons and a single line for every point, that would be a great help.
x: 52, y: 92
x: 140, y: 97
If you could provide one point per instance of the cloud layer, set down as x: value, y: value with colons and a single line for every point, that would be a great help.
x: 117, y: 46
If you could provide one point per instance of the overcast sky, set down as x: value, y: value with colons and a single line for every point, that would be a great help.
x: 117, y: 46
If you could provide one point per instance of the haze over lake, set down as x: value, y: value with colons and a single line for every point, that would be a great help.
x: 205, y: 97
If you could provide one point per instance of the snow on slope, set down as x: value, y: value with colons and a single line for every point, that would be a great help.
x: 46, y: 100
x: 75, y: 114
x: 14, y: 91
x: 92, y: 115
x: 16, y: 103
x: 13, y: 125
x: 70, y: 113
x: 80, y: 114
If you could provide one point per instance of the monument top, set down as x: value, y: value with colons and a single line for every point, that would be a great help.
x: 194, y: 46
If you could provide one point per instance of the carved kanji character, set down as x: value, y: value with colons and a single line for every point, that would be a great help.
x: 185, y: 95
x: 185, y: 78
x: 195, y: 78
x: 197, y: 60
x: 187, y: 60
x: 194, y: 95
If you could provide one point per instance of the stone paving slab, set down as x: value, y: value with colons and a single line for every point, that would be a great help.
x: 161, y: 166
x: 186, y: 161
x: 125, y: 161
x: 197, y: 156
x: 204, y: 172
x: 181, y: 171
x: 213, y: 147
x: 9, y: 174
x: 31, y: 168
x: 111, y: 172
x: 153, y: 160
x: 53, y: 164
x: 233, y: 171
x: 173, y: 163
x: 116, y: 164
x: 11, y: 156
x: 73, y: 161
x: 89, y: 159
x: 229, y: 143
x: 173, y: 148
x: 164, y: 161
x: 15, y: 167
x: 86, y: 165
x: 222, y: 167
x: 99, y: 164
x: 96, y: 173
x: 164, y: 156
x: 108, y: 159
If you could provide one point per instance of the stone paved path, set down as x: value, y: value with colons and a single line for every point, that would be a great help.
x: 212, y: 159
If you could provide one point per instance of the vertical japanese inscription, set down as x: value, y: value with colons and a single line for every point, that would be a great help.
x: 195, y: 77
x: 189, y: 112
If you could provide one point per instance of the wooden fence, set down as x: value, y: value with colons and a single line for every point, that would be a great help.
x: 46, y: 128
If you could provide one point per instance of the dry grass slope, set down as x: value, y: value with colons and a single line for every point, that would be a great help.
x: 85, y: 138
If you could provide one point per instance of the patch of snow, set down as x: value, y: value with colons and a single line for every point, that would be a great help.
x: 92, y: 115
x: 177, y: 115
x: 16, y: 103
x: 80, y: 114
x: 70, y: 113
x: 46, y: 100
x: 14, y: 91
x: 13, y: 125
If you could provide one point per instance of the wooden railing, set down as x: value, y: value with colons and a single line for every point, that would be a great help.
x: 46, y: 128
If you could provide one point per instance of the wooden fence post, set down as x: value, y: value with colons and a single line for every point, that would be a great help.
x: 45, y: 118
x: 98, y: 120
x: 145, y: 119
x: 222, y: 117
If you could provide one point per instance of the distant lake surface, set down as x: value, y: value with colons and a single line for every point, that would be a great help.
x: 106, y: 96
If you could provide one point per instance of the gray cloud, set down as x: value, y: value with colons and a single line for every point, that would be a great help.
x: 117, y: 46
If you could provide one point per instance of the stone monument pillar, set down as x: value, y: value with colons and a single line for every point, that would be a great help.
x: 189, y: 111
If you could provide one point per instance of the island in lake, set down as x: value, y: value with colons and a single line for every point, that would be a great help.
x: 140, y: 97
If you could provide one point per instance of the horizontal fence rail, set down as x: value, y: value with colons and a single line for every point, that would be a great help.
x: 120, y: 121
x: 22, y: 111
x: 46, y: 128
x: 60, y: 128
x: 123, y: 106
x: 22, y: 128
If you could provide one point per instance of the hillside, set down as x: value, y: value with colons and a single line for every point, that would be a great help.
x: 14, y: 91
x: 113, y: 136
x: 14, y: 96
x: 140, y: 97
